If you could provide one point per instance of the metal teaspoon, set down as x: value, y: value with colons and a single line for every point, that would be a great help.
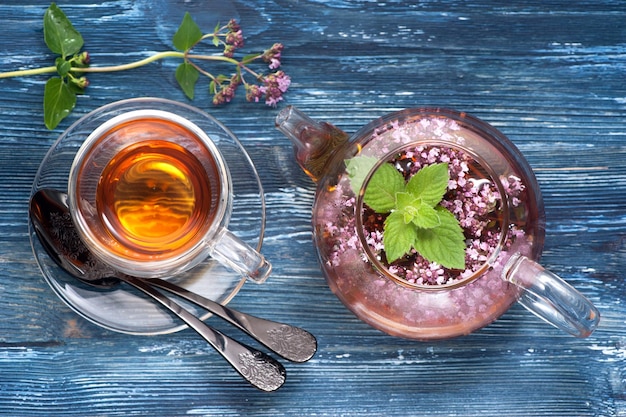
x: 53, y: 225
x: 291, y: 342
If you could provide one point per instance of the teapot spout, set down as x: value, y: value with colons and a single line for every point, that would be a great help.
x: 314, y: 142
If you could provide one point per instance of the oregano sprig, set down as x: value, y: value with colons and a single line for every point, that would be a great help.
x: 415, y: 220
x: 71, y: 65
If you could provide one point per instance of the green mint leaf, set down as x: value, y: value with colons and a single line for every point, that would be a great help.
x: 398, y: 237
x: 187, y: 76
x: 416, y: 212
x: 416, y: 220
x: 382, y: 188
x: 426, y: 217
x: 59, y: 34
x: 430, y: 183
x: 357, y: 169
x: 187, y: 35
x: 444, y: 244
x: 58, y: 101
x: 407, y: 204
x: 406, y: 200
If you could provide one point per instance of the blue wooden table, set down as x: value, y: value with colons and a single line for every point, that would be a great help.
x: 549, y: 74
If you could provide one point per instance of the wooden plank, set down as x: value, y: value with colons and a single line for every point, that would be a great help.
x: 549, y: 74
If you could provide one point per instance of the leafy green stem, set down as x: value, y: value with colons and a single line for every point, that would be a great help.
x: 213, y: 58
x: 243, y: 64
x: 28, y: 72
x: 71, y: 65
x: 113, y: 68
x: 131, y: 65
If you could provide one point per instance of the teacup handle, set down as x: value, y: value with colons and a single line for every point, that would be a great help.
x: 236, y: 254
x: 551, y: 298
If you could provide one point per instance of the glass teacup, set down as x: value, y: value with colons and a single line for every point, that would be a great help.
x: 151, y: 195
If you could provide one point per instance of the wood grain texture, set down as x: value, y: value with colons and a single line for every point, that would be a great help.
x: 550, y: 74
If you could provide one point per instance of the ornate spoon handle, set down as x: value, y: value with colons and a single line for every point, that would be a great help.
x: 261, y: 370
x: 290, y: 342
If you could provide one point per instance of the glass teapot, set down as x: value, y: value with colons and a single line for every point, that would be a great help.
x: 492, y: 193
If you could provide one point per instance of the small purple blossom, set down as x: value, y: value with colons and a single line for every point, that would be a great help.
x: 272, y: 55
x: 274, y: 86
x: 227, y: 91
x: 225, y: 95
x: 233, y: 26
x: 253, y: 92
x: 235, y: 39
x: 234, y: 36
x: 269, y: 87
x: 229, y: 51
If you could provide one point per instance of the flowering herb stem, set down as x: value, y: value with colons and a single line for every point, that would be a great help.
x: 131, y: 65
x: 71, y: 65
x: 28, y: 72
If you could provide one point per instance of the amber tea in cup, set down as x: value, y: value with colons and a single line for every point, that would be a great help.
x: 151, y: 195
x: 155, y: 197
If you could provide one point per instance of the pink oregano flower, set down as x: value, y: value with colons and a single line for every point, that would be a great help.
x: 271, y: 86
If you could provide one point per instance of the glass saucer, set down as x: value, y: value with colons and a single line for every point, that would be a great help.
x: 122, y: 308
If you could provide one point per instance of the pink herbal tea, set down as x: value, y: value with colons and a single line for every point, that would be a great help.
x: 429, y: 222
x: 412, y: 297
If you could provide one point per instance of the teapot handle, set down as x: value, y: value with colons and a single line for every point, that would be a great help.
x: 551, y: 298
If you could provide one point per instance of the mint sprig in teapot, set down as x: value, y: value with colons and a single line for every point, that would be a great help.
x: 429, y: 224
